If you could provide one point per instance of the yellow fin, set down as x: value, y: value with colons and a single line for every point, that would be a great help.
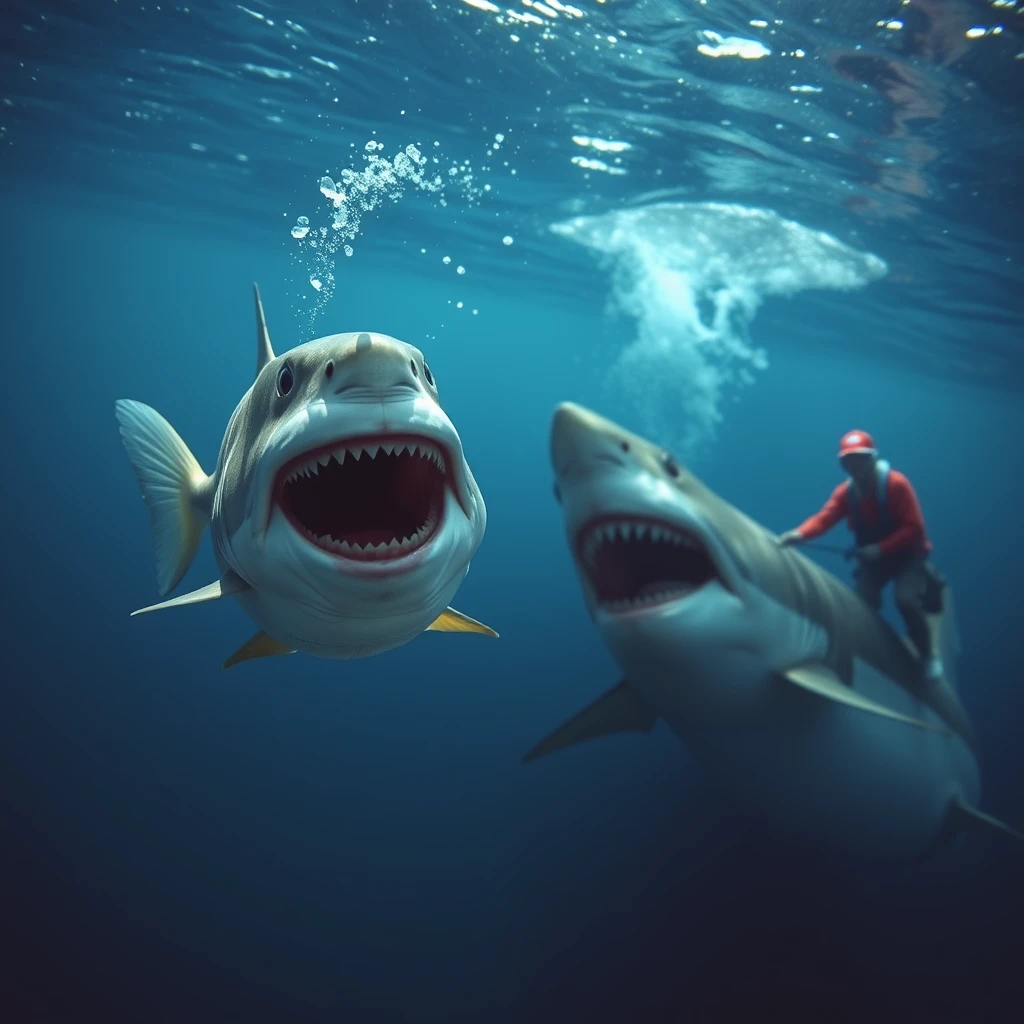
x: 259, y: 645
x: 451, y: 621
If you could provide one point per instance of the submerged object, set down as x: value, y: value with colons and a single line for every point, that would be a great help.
x: 800, y: 697
x: 342, y: 510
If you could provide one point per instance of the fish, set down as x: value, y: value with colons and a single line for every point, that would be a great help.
x: 342, y: 511
x: 800, y: 699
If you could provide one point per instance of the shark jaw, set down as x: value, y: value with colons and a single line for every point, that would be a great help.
x: 634, y: 563
x: 365, y: 490
x: 373, y: 500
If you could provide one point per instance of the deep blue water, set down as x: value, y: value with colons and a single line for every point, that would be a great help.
x: 357, y: 841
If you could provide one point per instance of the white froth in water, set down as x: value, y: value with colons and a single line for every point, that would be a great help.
x: 693, y: 276
x: 381, y: 181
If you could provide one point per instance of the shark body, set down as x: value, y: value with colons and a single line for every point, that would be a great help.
x: 342, y: 510
x: 798, y: 696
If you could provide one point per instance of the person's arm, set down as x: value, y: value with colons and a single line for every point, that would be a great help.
x: 906, y: 516
x: 832, y: 512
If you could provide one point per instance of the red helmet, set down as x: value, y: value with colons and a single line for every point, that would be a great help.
x: 856, y: 441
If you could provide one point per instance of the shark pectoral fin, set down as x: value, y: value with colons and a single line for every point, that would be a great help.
x: 821, y: 680
x: 174, y: 487
x: 962, y: 817
x: 451, y: 621
x: 259, y: 645
x: 230, y: 584
x: 621, y: 709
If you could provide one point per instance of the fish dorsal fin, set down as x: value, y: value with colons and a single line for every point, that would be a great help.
x: 620, y: 709
x: 230, y: 584
x: 821, y: 680
x: 259, y: 645
x: 264, y: 351
x: 452, y: 621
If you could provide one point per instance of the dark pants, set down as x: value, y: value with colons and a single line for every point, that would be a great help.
x: 914, y: 579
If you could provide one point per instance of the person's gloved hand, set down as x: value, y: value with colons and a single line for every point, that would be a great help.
x: 790, y: 538
x: 870, y: 552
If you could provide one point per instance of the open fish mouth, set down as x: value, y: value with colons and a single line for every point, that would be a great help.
x: 370, y: 498
x: 635, y: 563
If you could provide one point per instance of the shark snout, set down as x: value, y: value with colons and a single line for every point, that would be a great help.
x: 581, y: 440
x: 375, y: 363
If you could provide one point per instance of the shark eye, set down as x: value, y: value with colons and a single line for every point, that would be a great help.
x: 671, y: 466
x: 428, y: 375
x: 329, y: 369
x: 285, y: 380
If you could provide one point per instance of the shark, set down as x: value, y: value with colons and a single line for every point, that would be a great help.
x: 342, y: 511
x: 795, y: 695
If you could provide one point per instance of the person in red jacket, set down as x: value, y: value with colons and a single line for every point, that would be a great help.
x: 881, y: 508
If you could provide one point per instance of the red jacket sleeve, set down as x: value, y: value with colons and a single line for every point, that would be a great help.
x: 905, y: 511
x: 833, y: 511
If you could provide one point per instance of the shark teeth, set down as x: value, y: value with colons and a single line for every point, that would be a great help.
x: 671, y: 593
x: 394, y: 548
x: 618, y: 531
x: 420, y: 449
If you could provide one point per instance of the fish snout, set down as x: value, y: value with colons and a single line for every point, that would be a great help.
x: 580, y: 438
x: 375, y: 362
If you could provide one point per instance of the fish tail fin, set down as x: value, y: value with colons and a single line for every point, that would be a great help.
x: 173, y: 484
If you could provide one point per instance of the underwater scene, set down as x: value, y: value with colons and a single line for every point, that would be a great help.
x: 509, y: 511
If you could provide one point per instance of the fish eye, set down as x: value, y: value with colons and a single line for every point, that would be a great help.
x: 428, y: 375
x: 624, y: 445
x: 670, y: 464
x: 558, y: 493
x: 285, y: 380
x: 329, y: 369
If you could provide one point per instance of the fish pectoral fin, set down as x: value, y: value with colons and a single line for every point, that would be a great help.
x: 621, y: 709
x: 962, y: 817
x: 825, y: 683
x: 452, y: 621
x: 259, y: 645
x: 225, y: 587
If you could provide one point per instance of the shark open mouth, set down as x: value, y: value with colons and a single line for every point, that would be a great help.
x: 637, y: 563
x: 370, y: 499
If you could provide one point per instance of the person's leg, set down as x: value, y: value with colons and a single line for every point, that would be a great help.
x: 868, y: 580
x: 911, y: 585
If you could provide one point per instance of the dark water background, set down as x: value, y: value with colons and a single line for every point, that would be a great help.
x: 357, y: 841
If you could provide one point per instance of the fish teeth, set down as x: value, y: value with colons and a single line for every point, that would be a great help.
x: 627, y: 530
x: 419, y: 449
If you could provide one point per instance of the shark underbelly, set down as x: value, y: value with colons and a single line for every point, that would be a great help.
x: 320, y: 632
x: 304, y: 618
x: 830, y: 775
